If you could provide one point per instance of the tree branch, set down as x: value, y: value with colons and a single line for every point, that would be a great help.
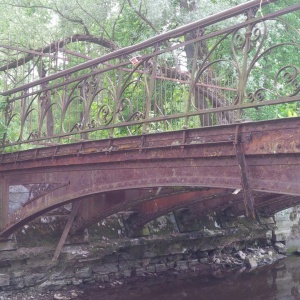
x: 56, y: 10
x: 103, y: 28
x: 59, y: 44
x: 138, y: 12
x: 115, y: 23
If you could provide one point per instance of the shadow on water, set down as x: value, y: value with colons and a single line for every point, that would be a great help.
x: 279, y: 281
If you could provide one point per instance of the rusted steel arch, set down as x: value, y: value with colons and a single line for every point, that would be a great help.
x: 149, y: 211
x: 209, y: 172
x: 278, y: 204
x: 148, y: 205
x: 91, y: 180
x: 100, y: 206
x: 236, y: 205
x: 219, y: 204
x: 176, y: 172
x: 212, y: 200
x: 95, y: 207
x: 266, y: 204
x: 189, y: 158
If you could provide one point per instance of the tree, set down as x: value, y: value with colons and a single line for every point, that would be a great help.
x: 75, y: 31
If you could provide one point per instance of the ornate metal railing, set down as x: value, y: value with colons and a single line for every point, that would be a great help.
x: 228, y: 67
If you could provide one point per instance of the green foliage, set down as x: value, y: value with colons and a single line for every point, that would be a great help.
x: 289, y: 110
x: 33, y: 23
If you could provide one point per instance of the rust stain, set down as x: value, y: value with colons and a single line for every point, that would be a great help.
x: 162, y: 163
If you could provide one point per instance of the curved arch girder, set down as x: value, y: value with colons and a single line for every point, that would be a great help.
x: 205, y: 159
x: 104, y: 205
x: 148, y: 211
x: 273, y: 174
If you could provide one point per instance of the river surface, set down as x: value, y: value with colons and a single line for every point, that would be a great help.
x: 279, y: 281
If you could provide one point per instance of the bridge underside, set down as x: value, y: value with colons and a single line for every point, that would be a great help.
x: 243, y: 167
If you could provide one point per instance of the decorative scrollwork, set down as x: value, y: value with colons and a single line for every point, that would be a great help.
x: 90, y: 85
x: 77, y: 127
x: 127, y: 115
x: 8, y: 110
x: 239, y: 40
x: 104, y: 115
x: 92, y: 124
x: 136, y: 116
x: 253, y: 35
x: 287, y: 80
x: 257, y: 96
x: 256, y: 34
x: 122, y: 105
x: 195, y: 78
x: 125, y: 109
x: 33, y: 135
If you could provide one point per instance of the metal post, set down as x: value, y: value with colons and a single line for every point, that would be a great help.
x: 245, y: 180
x: 4, y: 201
x: 66, y: 231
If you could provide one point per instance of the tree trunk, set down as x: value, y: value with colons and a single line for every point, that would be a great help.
x: 204, y: 97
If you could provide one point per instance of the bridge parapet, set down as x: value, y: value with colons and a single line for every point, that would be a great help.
x: 212, y: 72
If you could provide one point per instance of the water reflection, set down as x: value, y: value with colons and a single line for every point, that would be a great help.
x: 280, y: 281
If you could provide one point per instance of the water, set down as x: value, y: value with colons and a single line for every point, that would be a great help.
x: 279, y: 281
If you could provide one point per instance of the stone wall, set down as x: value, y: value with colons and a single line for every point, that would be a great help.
x: 287, y: 228
x: 105, y: 254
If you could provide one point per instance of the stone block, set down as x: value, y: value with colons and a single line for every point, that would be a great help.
x: 8, y: 245
x: 4, y: 280
x: 110, y: 259
x: 145, y: 262
x: 251, y: 262
x: 150, y: 254
x: 150, y: 269
x: 17, y: 283
x: 280, y: 235
x: 53, y: 285
x: 127, y: 273
x: 76, y: 281
x: 170, y: 265
x: 202, y: 254
x: 105, y: 269
x: 193, y: 263
x: 181, y: 265
x: 125, y: 265
x: 84, y: 273
x: 89, y: 280
x: 155, y: 260
x: 140, y: 272
x: 160, y: 268
x: 5, y: 263
x: 266, y: 220
x: 18, y: 273
x: 31, y: 280
x: 125, y: 256
x: 280, y: 248
x: 103, y: 278
x: 62, y: 275
x: 176, y: 257
x: 241, y: 255
x: 115, y: 276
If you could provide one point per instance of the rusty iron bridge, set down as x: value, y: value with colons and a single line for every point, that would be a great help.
x: 158, y: 126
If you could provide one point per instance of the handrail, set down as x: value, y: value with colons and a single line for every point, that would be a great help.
x: 229, y: 13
